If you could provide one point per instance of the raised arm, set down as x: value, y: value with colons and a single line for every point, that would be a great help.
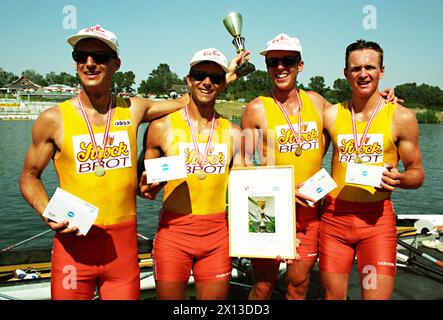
x: 145, y: 110
x: 405, y: 132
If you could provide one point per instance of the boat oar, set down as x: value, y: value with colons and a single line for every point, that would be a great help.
x: 143, y: 237
x: 12, y: 246
x: 420, y: 253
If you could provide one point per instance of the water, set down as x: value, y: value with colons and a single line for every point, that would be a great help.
x: 18, y: 221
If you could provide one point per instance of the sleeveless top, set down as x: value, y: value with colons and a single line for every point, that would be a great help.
x: 281, y: 142
x: 114, y: 193
x: 192, y: 195
x: 378, y: 148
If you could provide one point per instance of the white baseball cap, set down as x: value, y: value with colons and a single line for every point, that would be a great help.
x: 282, y: 42
x: 210, y: 54
x: 96, y: 32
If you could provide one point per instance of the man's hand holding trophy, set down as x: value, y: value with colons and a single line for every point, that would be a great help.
x: 233, y: 23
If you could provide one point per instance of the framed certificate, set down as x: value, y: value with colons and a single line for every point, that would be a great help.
x: 262, y: 212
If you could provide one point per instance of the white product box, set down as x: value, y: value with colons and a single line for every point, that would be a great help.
x: 364, y: 174
x: 165, y: 169
x: 65, y: 206
x: 317, y: 186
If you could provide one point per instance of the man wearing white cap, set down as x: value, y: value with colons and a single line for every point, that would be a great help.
x: 193, y: 231
x: 289, y: 126
x: 92, y: 141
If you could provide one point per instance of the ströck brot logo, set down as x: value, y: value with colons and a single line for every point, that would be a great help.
x: 165, y: 167
x: 70, y: 214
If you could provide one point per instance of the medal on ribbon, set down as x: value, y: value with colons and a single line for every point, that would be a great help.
x: 201, y: 174
x: 298, y: 149
x: 99, y: 170
x: 357, y: 147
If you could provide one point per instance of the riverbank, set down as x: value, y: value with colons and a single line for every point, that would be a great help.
x: 232, y: 110
x: 30, y: 110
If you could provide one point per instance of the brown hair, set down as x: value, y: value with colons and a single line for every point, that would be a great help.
x: 363, y: 44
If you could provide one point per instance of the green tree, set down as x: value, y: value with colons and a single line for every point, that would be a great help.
x: 160, y: 81
x: 317, y: 84
x: 428, y: 116
x: 6, y: 77
x: 61, y: 78
x: 122, y: 82
x: 422, y: 96
x: 143, y: 88
x: 235, y: 90
x: 407, y: 92
x: 259, y: 83
x: 341, y: 91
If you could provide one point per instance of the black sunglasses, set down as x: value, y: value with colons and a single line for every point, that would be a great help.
x: 287, y: 61
x: 216, y: 78
x: 98, y: 56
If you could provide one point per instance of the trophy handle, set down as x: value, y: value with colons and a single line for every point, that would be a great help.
x: 244, y: 68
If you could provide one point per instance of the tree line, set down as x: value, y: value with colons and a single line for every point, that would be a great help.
x: 160, y: 80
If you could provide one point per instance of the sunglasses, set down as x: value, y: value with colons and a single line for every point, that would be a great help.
x: 287, y: 61
x: 98, y: 56
x: 216, y: 78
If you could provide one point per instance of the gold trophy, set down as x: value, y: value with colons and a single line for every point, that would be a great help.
x: 262, y: 204
x: 233, y: 23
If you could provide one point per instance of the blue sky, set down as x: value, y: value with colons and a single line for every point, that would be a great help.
x: 150, y: 32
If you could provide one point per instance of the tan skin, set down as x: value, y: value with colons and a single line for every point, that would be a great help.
x: 254, y: 125
x: 47, y: 132
x: 201, y: 109
x: 363, y: 72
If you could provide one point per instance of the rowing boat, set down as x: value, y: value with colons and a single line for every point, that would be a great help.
x: 37, y: 262
x: 418, y: 277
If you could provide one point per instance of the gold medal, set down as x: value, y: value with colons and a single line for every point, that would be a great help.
x: 99, y: 171
x: 298, y: 151
x: 201, y: 174
x: 358, y: 160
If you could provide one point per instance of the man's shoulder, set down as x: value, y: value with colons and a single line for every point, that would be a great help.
x: 402, y: 113
x: 315, y: 97
x: 162, y: 123
x: 51, y: 115
x: 254, y: 105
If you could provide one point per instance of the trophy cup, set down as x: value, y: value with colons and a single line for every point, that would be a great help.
x: 262, y: 204
x: 233, y: 23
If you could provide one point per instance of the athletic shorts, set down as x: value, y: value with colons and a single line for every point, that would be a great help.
x: 307, y: 229
x: 187, y: 242
x: 107, y: 257
x: 365, y: 229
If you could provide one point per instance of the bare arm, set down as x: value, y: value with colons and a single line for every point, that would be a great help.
x: 232, y: 76
x: 145, y: 110
x: 321, y: 105
x: 253, y: 123
x: 155, y: 138
x: 405, y: 133
x: 46, y: 134
x: 237, y: 146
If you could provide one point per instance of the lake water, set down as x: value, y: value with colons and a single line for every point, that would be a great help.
x: 18, y: 221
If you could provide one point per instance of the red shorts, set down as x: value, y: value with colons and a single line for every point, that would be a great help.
x: 308, y: 225
x: 186, y: 242
x: 367, y: 229
x: 107, y: 257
